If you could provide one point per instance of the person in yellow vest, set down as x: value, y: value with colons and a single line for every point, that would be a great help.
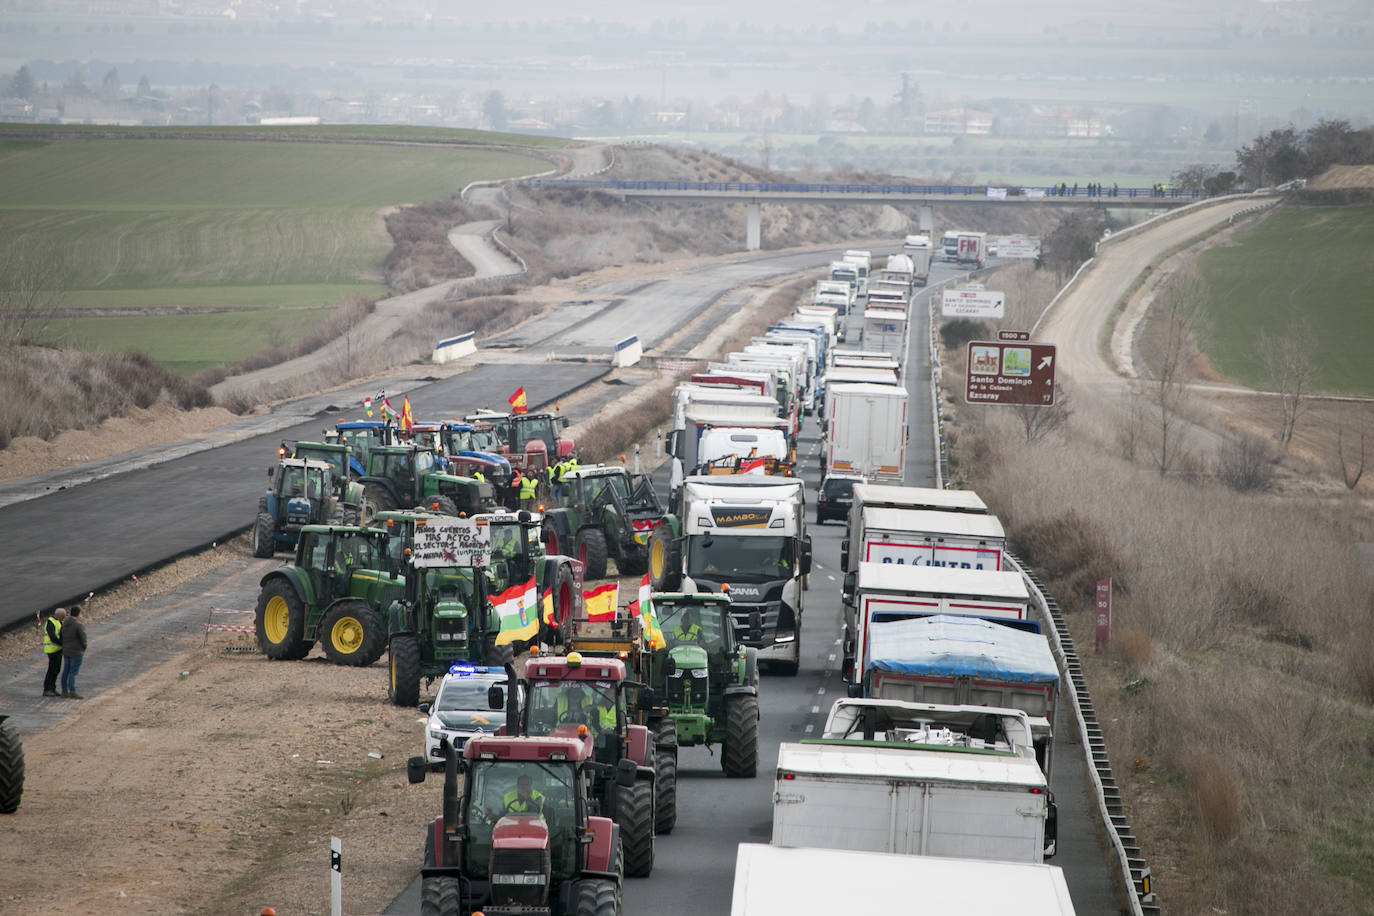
x: 52, y: 648
x: 529, y: 488
x: 477, y: 475
x: 686, y: 629
x: 576, y: 707
x: 523, y: 799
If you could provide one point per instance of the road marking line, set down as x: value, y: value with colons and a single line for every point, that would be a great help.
x: 810, y: 729
x: 830, y: 577
x: 815, y: 709
x: 831, y: 658
x: 820, y: 691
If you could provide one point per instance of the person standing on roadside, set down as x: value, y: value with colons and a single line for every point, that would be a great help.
x: 73, y: 650
x: 52, y: 648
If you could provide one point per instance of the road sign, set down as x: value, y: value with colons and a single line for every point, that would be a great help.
x: 1010, y: 372
x: 1018, y: 246
x: 1013, y: 335
x: 972, y: 303
x: 1103, y: 614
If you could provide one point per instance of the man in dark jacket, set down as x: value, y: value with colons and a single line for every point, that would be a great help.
x: 73, y: 650
x: 52, y: 649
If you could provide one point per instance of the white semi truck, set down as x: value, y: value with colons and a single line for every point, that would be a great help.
x: 972, y: 249
x: 746, y: 532
x: 804, y: 881
x: 917, y: 247
x: 921, y: 537
x: 866, y: 431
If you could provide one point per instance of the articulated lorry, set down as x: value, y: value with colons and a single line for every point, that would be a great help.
x: 882, y: 592
x: 885, y: 330
x: 748, y: 533
x: 838, y: 294
x: 883, y: 496
x: 972, y: 249
x: 960, y: 660
x: 802, y: 881
x: 917, y: 247
x: 866, y: 431
x: 921, y: 537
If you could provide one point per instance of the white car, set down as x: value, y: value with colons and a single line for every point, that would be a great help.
x: 460, y: 710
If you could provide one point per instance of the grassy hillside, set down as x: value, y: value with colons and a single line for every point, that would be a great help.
x: 256, y: 233
x: 1313, y: 263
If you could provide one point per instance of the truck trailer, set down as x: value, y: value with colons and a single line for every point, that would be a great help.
x: 866, y: 431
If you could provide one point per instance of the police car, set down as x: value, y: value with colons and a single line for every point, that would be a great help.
x: 460, y: 710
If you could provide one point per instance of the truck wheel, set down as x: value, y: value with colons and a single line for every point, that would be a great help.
x: 351, y: 635
x: 494, y: 655
x: 634, y: 812
x: 740, y: 756
x: 594, y: 897
x: 591, y: 550
x: 264, y: 535
x: 280, y: 622
x: 665, y: 566
x: 665, y: 789
x: 11, y: 768
x: 442, y: 505
x: 403, y: 660
x: 440, y: 897
x: 376, y: 498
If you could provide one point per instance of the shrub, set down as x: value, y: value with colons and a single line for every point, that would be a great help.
x: 1069, y: 550
x: 1218, y: 803
x: 955, y: 334
x: 1136, y: 647
x: 604, y: 440
x: 1246, y: 463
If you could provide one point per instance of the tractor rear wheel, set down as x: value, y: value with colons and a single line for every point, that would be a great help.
x: 351, y: 635
x: 591, y: 550
x: 665, y: 777
x: 564, y: 605
x: 634, y: 812
x: 595, y: 897
x: 636, y: 561
x: 740, y: 756
x: 280, y: 622
x: 403, y: 688
x: 665, y: 566
x: 376, y: 498
x: 442, y: 505
x: 264, y: 535
x: 11, y: 769
x: 440, y: 897
x: 551, y: 544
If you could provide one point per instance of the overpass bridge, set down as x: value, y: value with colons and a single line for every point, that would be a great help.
x: 925, y: 196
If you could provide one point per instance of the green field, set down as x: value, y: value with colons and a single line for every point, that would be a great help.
x: 269, y: 229
x: 1315, y: 263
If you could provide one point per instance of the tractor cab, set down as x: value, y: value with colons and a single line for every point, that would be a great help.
x: 361, y: 437
x: 301, y: 493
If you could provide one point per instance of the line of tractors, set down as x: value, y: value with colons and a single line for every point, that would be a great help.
x: 595, y: 710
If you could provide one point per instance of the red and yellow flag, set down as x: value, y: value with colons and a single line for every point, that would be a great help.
x: 601, y: 600
x: 407, y: 418
x: 517, y: 401
x: 546, y: 602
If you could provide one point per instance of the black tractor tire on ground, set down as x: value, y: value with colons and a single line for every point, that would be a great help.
x: 403, y: 674
x: 595, y: 897
x: 352, y: 635
x: 443, y: 505
x: 441, y: 897
x: 262, y: 504
x: 634, y: 812
x: 591, y: 550
x: 665, y: 566
x: 665, y: 789
x: 376, y: 498
x: 494, y: 655
x: 279, y: 622
x: 564, y: 606
x: 740, y: 756
x: 11, y: 769
x: 635, y: 562
x: 264, y: 540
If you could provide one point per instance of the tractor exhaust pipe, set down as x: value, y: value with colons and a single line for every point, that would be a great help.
x: 512, y: 701
x: 450, y: 795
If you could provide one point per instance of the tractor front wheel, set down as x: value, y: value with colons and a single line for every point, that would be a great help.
x: 740, y: 756
x: 441, y: 505
x: 634, y: 812
x: 264, y: 535
x: 591, y: 550
x: 280, y: 622
x: 594, y: 897
x: 351, y: 635
x: 440, y: 897
x: 11, y: 768
x: 376, y: 498
x: 495, y: 656
x: 665, y: 777
x: 403, y: 688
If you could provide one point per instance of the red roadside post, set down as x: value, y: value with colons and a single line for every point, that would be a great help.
x: 1103, y: 614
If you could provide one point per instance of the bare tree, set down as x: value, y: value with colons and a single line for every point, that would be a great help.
x: 1039, y: 421
x: 1177, y: 315
x: 1290, y: 365
x: 30, y: 283
x: 1352, y: 466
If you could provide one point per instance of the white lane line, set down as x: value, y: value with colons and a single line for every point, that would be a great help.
x: 810, y: 729
x: 815, y: 709
x: 820, y: 691
x: 832, y: 657
x: 830, y: 577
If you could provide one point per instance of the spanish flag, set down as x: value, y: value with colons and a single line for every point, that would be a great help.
x: 546, y: 604
x: 600, y: 601
x: 407, y: 418
x: 517, y: 401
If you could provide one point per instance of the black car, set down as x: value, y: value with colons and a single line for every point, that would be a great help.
x: 836, y: 496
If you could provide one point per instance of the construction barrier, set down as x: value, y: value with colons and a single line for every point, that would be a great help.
x: 455, y: 347
x: 627, y: 353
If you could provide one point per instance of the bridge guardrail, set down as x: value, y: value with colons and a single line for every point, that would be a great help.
x: 947, y: 190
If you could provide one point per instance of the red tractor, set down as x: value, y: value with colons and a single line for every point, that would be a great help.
x: 521, y: 837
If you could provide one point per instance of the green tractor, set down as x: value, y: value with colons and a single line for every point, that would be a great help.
x: 517, y: 552
x: 335, y: 592
x: 446, y: 615
x: 709, y: 679
x: 404, y: 476
x: 607, y: 513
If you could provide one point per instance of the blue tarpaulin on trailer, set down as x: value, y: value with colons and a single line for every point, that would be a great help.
x: 946, y: 645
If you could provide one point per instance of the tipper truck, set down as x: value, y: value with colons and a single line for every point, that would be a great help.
x: 748, y: 532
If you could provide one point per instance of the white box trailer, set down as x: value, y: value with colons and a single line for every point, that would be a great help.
x: 851, y: 375
x: 919, y: 800
x: 885, y: 329
x: 804, y: 881
x: 918, y: 248
x: 866, y: 431
x: 959, y: 660
x: 883, y: 496
x: 922, y: 537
